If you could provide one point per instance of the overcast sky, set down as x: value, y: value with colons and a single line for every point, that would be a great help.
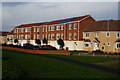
x: 16, y: 13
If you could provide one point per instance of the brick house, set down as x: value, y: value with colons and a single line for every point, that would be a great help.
x: 70, y: 30
x: 102, y: 35
x: 3, y: 37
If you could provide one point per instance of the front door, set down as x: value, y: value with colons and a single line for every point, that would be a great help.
x: 95, y: 46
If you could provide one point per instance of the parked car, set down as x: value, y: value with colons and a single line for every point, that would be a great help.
x: 28, y: 45
x: 47, y: 47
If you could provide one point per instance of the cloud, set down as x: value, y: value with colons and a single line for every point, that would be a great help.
x: 23, y: 13
x: 60, y: 0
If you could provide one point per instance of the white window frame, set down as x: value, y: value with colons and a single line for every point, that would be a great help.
x: 35, y: 36
x: 22, y: 30
x: 117, y: 43
x: 52, y: 28
x: 87, y: 43
x: 108, y: 43
x: 58, y: 27
x: 75, y: 36
x: 87, y: 35
x: 52, y: 36
x: 38, y: 29
x: 49, y: 36
x: 70, y: 36
x: 28, y: 36
x: 57, y: 35
x: 62, y: 36
x: 107, y: 34
x: 75, y: 25
x: 70, y: 26
x: 34, y: 29
x: 97, y: 34
x: 118, y: 33
x: 43, y: 29
x: 22, y: 37
x: 62, y: 27
x: 49, y: 28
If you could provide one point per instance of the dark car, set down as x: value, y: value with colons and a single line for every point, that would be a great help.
x: 28, y: 45
x: 47, y: 47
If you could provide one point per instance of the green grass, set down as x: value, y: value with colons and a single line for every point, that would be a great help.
x: 33, y: 66
x: 87, y: 59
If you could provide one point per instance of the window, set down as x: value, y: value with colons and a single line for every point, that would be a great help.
x: 97, y: 34
x: 57, y: 36
x: 49, y: 28
x: 62, y: 27
x: 70, y: 36
x: 52, y: 36
x: 70, y: 26
x: 37, y: 29
x: 118, y: 45
x: 52, y: 28
x: 35, y: 36
x: 87, y: 35
x: 48, y: 36
x: 22, y: 30
x: 34, y: 29
x: 25, y: 36
x: 75, y: 36
x: 19, y: 36
x: 28, y: 36
x: 62, y: 36
x: 58, y: 27
x: 75, y: 26
x: 43, y: 29
x: 28, y: 29
x: 118, y: 35
x: 43, y: 36
x: 108, y: 44
x: 86, y: 44
x: 107, y: 34
x: 22, y: 37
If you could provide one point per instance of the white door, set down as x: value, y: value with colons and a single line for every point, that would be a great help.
x: 95, y: 46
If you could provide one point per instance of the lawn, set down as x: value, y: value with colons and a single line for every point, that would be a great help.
x: 16, y: 65
x: 88, y: 59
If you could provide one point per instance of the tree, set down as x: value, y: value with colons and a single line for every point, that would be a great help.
x: 61, y: 43
x: 45, y: 41
x: 16, y: 41
x: 37, y: 41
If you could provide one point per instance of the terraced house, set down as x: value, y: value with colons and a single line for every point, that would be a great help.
x: 102, y: 35
x: 70, y: 30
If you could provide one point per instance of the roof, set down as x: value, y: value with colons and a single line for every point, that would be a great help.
x: 105, y: 25
x: 54, y: 22
x: 11, y: 33
x: 30, y: 25
x: 3, y: 33
x: 65, y: 20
